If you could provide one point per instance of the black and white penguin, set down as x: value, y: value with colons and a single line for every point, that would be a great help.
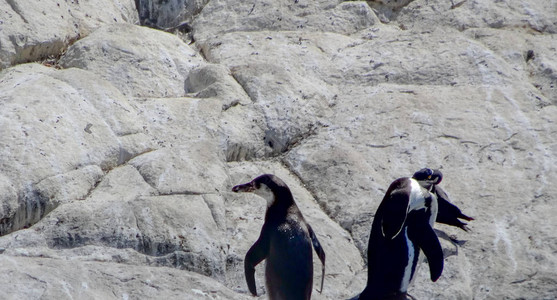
x: 401, y: 229
x: 285, y: 242
x: 448, y: 213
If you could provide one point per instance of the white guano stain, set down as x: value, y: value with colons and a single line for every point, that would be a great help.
x: 502, y: 235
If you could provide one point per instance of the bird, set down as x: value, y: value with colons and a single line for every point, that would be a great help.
x: 401, y: 230
x: 285, y: 242
x: 448, y: 213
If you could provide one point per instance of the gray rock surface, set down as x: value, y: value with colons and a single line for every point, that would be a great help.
x: 37, y: 30
x: 139, y: 61
x: 167, y: 14
x: 47, y: 278
x: 118, y: 153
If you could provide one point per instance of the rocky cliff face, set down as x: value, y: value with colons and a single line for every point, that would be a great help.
x: 119, y: 144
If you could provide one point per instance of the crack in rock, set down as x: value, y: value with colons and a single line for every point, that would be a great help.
x: 17, y: 10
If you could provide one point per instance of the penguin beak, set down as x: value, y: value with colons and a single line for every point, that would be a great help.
x: 244, y: 188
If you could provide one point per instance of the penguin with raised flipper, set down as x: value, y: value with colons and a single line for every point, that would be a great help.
x: 401, y: 230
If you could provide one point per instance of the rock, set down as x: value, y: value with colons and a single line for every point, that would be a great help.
x: 215, y: 81
x: 531, y: 54
x: 243, y: 138
x: 189, y: 161
x: 219, y: 17
x: 66, y: 187
x: 240, y: 136
x: 9, y: 202
x: 533, y: 16
x: 139, y: 61
x: 267, y: 83
x: 34, y: 31
x: 142, y: 221
x: 166, y: 14
x: 61, y: 278
x: 116, y: 163
x: 80, y: 128
x: 192, y: 171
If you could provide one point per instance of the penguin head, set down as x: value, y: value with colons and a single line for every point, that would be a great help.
x: 428, y: 177
x: 266, y: 186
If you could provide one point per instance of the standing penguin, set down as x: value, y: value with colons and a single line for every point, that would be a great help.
x: 448, y: 213
x: 403, y: 225
x: 285, y: 241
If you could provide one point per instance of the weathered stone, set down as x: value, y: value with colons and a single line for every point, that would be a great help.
x: 531, y: 54
x: 52, y: 124
x: 166, y: 14
x: 534, y: 16
x: 190, y: 158
x: 243, y: 138
x: 292, y: 105
x: 124, y: 161
x: 9, y: 201
x: 67, y: 187
x: 220, y: 16
x: 139, y: 61
x: 34, y: 278
x: 33, y: 31
x: 216, y: 81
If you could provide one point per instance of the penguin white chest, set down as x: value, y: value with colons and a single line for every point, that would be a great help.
x: 422, y: 199
x: 417, y: 199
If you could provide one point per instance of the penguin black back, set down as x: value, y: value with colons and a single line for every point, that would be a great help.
x: 285, y: 242
x: 401, y: 227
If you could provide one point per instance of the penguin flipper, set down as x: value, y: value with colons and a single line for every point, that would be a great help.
x: 423, y: 235
x: 257, y: 253
x: 395, y: 206
x: 449, y: 213
x: 320, y: 253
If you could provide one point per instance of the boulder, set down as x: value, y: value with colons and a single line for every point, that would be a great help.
x: 531, y: 54
x: 59, y: 128
x: 139, y: 61
x: 34, y: 31
x: 168, y: 14
x: 33, y: 278
x: 222, y: 16
x: 522, y: 16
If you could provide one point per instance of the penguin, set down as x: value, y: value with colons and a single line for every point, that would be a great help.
x: 285, y: 242
x: 448, y: 213
x: 401, y: 230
